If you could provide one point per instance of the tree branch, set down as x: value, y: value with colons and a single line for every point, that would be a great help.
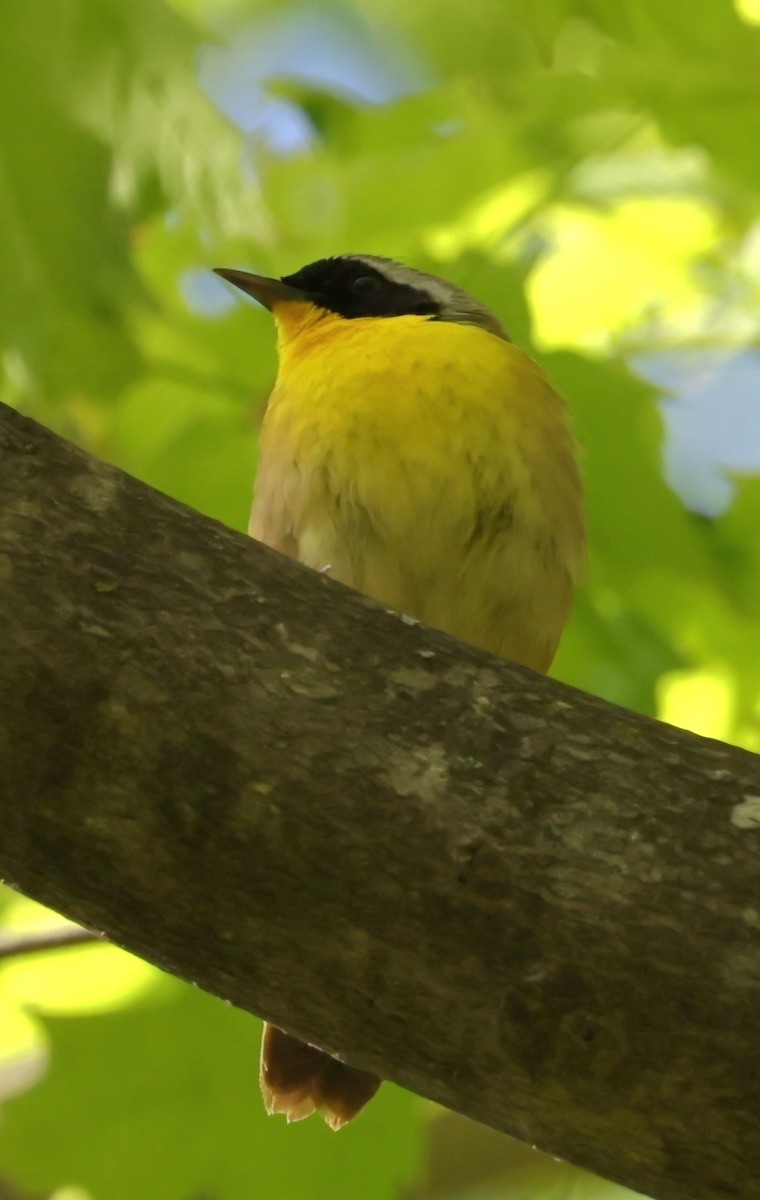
x: 525, y: 903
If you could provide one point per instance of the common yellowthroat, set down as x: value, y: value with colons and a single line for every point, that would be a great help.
x: 413, y: 452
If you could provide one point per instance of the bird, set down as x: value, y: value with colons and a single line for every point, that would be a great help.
x: 413, y: 452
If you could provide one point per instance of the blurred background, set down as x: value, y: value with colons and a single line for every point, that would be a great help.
x: 590, y: 170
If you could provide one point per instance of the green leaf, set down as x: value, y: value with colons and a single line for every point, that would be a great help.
x: 161, y: 1101
x: 67, y: 275
x: 733, y: 540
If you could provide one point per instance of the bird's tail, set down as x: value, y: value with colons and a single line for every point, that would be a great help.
x: 298, y: 1080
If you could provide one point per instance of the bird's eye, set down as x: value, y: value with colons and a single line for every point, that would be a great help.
x: 365, y: 285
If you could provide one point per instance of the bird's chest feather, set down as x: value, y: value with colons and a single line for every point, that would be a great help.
x: 408, y: 461
x: 363, y: 432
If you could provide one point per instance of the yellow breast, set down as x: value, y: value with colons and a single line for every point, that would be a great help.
x: 427, y: 464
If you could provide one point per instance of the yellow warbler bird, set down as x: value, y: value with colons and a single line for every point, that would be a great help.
x: 411, y: 450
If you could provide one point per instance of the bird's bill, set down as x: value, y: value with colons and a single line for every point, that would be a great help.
x: 267, y: 291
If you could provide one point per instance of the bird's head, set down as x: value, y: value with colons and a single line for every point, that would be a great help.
x: 353, y: 286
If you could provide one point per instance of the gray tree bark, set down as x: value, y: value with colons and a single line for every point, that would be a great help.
x: 532, y: 906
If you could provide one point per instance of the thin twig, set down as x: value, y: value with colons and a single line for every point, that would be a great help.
x: 14, y: 944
